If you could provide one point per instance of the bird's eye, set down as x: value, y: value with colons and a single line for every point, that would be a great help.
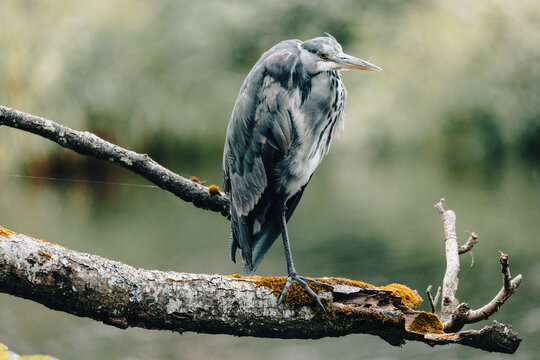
x: 323, y: 56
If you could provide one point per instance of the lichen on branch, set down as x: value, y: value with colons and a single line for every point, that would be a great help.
x: 124, y: 296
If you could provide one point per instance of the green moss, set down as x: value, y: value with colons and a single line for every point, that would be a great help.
x: 425, y: 323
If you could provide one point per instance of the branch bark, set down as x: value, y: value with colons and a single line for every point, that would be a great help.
x: 86, y: 143
x: 450, y: 281
x: 124, y: 296
x: 454, y: 315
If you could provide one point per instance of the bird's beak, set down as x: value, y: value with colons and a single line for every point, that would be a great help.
x: 351, y: 62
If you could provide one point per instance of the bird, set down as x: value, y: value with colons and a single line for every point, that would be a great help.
x: 287, y: 112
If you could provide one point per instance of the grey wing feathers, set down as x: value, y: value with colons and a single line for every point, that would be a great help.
x: 270, y: 230
x: 260, y: 130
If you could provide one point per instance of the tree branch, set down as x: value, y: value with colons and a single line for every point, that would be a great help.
x: 509, y: 287
x: 124, y: 296
x: 86, y: 143
x: 473, y: 239
x: 455, y: 316
x: 450, y: 281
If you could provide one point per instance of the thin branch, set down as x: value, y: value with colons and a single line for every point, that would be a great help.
x: 473, y: 239
x: 454, y: 316
x: 433, y: 302
x: 86, y: 143
x: 509, y: 287
x: 124, y: 296
x: 450, y: 281
x: 437, y: 295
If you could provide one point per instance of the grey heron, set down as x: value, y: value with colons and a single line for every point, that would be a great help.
x: 286, y: 114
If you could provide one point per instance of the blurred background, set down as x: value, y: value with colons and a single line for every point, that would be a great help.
x: 455, y: 113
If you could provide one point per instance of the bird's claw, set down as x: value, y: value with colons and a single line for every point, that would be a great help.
x: 302, y: 281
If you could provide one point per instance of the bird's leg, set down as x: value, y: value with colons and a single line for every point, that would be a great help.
x: 292, y: 275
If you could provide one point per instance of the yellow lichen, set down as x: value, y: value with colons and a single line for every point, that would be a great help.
x: 409, y: 297
x: 297, y: 296
x: 5, y: 232
x: 425, y: 323
x: 44, y: 254
x: 4, y: 355
x: 236, y: 276
x: 345, y: 281
x: 3, y: 352
x: 213, y: 190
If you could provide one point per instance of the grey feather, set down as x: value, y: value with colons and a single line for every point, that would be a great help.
x: 281, y: 127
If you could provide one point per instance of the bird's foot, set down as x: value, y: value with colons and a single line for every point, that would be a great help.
x: 302, y: 281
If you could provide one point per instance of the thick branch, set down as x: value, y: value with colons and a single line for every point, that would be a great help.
x: 86, y: 143
x: 124, y: 296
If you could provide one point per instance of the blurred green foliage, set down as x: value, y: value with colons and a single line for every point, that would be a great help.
x: 139, y: 69
x: 454, y: 113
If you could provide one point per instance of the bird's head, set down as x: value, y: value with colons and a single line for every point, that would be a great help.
x: 325, y: 53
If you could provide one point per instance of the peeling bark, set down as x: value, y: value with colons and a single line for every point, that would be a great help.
x: 124, y: 296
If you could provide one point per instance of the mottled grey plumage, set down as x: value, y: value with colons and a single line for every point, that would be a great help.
x: 286, y: 114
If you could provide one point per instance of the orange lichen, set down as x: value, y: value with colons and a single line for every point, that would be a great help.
x: 409, y: 297
x: 69, y: 267
x: 213, y: 190
x: 236, y: 276
x: 176, y: 280
x: 195, y: 179
x: 47, y: 255
x: 425, y: 323
x: 345, y: 281
x: 5, y: 232
x: 297, y: 296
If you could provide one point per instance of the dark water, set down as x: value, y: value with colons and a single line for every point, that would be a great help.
x: 367, y: 220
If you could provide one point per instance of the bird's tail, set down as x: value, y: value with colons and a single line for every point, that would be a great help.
x: 263, y: 240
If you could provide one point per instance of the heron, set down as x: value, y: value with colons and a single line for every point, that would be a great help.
x: 287, y: 112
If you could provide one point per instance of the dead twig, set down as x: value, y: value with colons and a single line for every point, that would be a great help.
x: 473, y: 239
x: 433, y: 302
x: 454, y: 315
